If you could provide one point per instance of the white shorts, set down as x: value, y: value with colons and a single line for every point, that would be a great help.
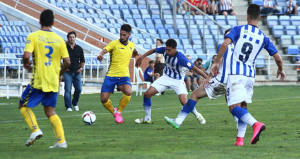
x: 239, y: 89
x: 164, y: 82
x: 215, y: 89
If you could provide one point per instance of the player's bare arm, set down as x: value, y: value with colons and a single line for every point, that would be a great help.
x: 280, y: 71
x: 26, y: 60
x: 139, y: 60
x: 222, y: 50
x: 100, y: 55
x: 65, y: 65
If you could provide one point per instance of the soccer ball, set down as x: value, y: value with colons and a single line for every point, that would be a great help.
x: 88, y: 117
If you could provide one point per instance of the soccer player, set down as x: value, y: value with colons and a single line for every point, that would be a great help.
x: 248, y: 40
x: 120, y: 52
x: 47, y: 50
x: 176, y: 67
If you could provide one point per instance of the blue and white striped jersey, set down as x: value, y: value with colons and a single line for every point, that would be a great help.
x: 175, y: 66
x: 249, y: 40
x: 224, y: 68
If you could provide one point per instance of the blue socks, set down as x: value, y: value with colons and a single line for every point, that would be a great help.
x: 147, y: 108
x: 189, y: 106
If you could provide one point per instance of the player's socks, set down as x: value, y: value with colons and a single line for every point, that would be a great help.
x: 243, y: 115
x: 123, y: 102
x: 57, y: 128
x: 187, y: 108
x: 147, y: 108
x: 30, y: 118
x: 242, y: 127
x: 108, y: 105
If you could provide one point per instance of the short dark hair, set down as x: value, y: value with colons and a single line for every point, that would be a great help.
x: 71, y: 32
x: 172, y: 43
x: 199, y: 59
x: 47, y: 17
x: 253, y: 11
x: 151, y: 62
x: 126, y: 27
x: 160, y: 41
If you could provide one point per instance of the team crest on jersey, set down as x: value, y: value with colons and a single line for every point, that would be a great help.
x: 130, y: 49
x: 189, y: 64
x: 246, y: 31
x: 28, y: 41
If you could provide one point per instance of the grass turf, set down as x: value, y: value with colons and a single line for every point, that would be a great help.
x: 276, y: 106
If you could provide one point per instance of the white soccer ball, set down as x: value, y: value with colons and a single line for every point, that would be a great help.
x: 88, y: 117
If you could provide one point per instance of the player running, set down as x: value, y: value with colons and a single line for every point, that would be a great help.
x: 174, y: 72
x: 120, y: 52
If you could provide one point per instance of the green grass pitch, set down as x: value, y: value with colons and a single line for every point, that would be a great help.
x: 276, y: 106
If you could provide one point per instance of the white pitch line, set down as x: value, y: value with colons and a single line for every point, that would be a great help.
x: 131, y: 111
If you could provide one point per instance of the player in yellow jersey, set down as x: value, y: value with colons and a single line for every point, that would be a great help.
x: 120, y: 52
x: 47, y: 50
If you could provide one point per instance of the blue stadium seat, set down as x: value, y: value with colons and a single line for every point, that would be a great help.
x: 196, y: 47
x: 162, y: 31
x: 190, y: 52
x: 291, y: 30
x: 173, y: 36
x: 284, y: 20
x: 196, y: 42
x: 296, y: 39
x: 295, y: 20
x: 232, y: 20
x: 285, y: 41
x: 271, y: 21
x: 261, y: 61
x: 278, y: 30
x: 171, y: 31
x: 293, y: 50
x: 182, y: 31
x: 119, y: 2
x: 258, y: 2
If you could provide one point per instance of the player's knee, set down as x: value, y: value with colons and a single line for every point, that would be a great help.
x: 147, y: 94
x: 103, y: 99
x: 127, y: 93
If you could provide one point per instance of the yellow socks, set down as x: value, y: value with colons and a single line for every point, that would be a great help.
x: 123, y: 102
x: 108, y: 106
x: 29, y: 118
x: 57, y: 128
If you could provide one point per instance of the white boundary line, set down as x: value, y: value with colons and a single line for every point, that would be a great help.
x: 67, y: 116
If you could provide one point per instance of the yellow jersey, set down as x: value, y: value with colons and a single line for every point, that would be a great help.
x: 47, y: 50
x: 120, y: 55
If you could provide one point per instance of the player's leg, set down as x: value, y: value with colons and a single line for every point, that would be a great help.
x: 241, y: 128
x: 30, y: 98
x: 68, y: 87
x: 126, y: 89
x: 106, y: 90
x: 239, y: 89
x: 78, y: 87
x: 57, y: 127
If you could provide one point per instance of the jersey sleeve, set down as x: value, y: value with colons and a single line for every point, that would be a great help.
x: 160, y: 50
x: 63, y: 50
x: 269, y: 46
x: 110, y: 46
x: 183, y: 61
x: 234, y: 33
x: 29, y: 47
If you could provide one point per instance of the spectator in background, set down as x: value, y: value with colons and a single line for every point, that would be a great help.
x: 73, y: 74
x: 149, y: 74
x: 209, y: 63
x: 292, y: 7
x: 298, y: 62
x: 199, y: 65
x: 226, y: 8
x: 203, y: 6
x: 159, y: 60
x: 196, y: 3
x: 269, y: 7
x: 212, y: 7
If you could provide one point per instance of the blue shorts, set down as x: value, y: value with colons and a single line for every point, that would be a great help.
x: 110, y: 82
x: 32, y: 97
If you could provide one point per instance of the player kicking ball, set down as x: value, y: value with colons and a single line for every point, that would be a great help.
x: 174, y: 72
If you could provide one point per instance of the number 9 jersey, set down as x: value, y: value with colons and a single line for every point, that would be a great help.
x: 47, y: 50
x: 248, y: 40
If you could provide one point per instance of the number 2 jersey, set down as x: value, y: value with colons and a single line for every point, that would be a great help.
x: 248, y: 40
x: 47, y: 50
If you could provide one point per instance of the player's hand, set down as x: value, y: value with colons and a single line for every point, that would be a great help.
x: 100, y: 57
x: 27, y: 65
x: 282, y: 75
x: 79, y: 71
x: 206, y: 82
x: 214, y: 69
x: 138, y: 62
